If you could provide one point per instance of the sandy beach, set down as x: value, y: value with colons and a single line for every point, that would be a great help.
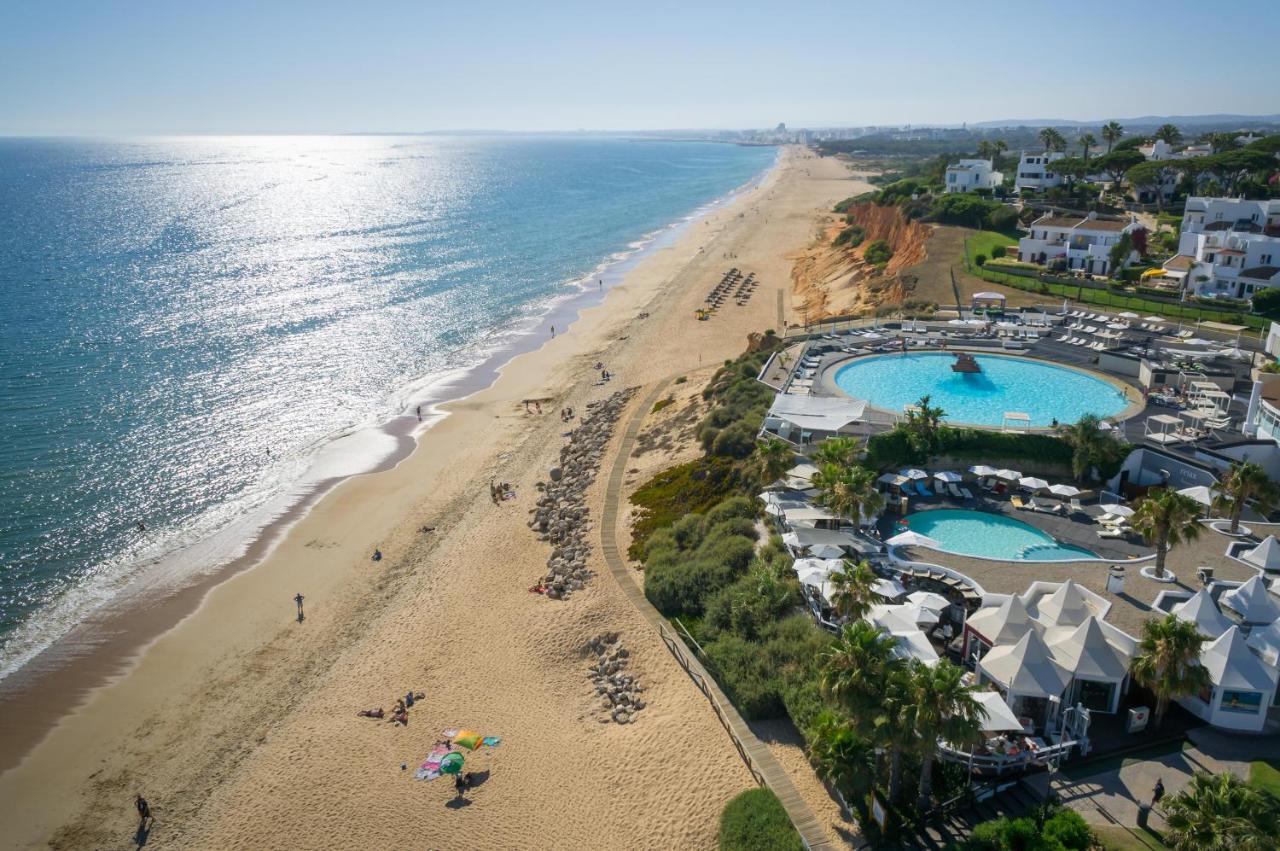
x: 239, y: 725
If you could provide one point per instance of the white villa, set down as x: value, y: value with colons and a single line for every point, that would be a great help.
x: 968, y: 175
x: 1084, y: 244
x: 1035, y: 170
x: 1229, y: 247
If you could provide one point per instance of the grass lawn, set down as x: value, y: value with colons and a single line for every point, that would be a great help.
x: 1264, y: 775
x: 983, y: 241
x: 1116, y: 838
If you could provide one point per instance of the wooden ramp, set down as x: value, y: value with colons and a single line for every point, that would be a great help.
x: 761, y: 763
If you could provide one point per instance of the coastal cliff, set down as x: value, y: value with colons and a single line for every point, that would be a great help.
x: 836, y: 280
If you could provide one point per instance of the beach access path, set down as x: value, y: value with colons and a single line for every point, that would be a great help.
x: 240, y: 725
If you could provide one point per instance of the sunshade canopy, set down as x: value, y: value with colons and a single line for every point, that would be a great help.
x: 999, y: 716
x: 1065, y: 490
x: 913, y: 539
x: 1265, y: 555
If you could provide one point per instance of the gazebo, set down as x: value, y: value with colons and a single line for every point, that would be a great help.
x: 1242, y: 686
x: 1165, y: 431
x: 1066, y: 606
x: 1029, y: 676
x: 988, y: 301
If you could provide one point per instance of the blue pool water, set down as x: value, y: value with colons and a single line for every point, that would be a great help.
x: 977, y: 533
x: 1041, y: 390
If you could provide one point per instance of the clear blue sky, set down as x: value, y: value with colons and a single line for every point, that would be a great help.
x: 259, y: 67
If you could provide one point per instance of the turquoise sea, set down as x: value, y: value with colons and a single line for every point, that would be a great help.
x: 189, y: 326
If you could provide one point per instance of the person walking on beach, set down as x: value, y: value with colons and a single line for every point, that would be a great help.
x: 553, y: 330
x: 298, y: 598
x: 144, y: 812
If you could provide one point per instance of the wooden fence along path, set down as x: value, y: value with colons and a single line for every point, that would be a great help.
x: 760, y: 762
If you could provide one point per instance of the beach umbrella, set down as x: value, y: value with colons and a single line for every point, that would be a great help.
x: 1065, y: 490
x: 1118, y: 510
x: 1153, y: 318
x: 890, y: 588
x: 451, y: 764
x: 929, y: 600
x: 948, y: 476
x: 1200, y: 494
x: 1128, y: 315
x: 914, y: 473
x: 1008, y: 475
x: 982, y: 470
x: 913, y: 539
x: 891, y: 479
x: 920, y: 615
x: 826, y: 551
x: 1033, y: 483
x: 469, y: 740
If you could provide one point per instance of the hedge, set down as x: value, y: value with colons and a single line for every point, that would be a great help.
x: 756, y: 821
x: 890, y: 450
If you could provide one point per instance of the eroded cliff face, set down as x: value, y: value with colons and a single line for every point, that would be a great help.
x: 829, y: 280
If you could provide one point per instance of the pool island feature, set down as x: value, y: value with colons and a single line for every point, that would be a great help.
x: 1047, y: 393
x: 983, y: 534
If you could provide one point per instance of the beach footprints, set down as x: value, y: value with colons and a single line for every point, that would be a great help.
x: 560, y: 516
x: 619, y: 693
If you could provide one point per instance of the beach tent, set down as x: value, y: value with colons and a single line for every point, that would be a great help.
x: 913, y: 539
x: 1243, y: 686
x: 1098, y: 667
x: 912, y: 643
x: 1028, y: 674
x: 1067, y: 606
x: 1252, y: 602
x: 982, y: 470
x: 999, y: 717
x: 1265, y: 555
x: 1203, y: 611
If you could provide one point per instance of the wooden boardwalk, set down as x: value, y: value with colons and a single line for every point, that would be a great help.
x: 759, y: 760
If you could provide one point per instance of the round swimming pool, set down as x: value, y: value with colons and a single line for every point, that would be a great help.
x: 1042, y: 391
x: 977, y: 533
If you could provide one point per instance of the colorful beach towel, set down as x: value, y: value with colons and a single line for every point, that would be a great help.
x: 430, y: 768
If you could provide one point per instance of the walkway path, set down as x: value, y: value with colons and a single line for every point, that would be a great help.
x: 754, y: 753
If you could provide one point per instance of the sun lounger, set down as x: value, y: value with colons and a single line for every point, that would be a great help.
x: 1076, y: 506
x: 923, y: 490
x: 1113, y: 532
x: 966, y: 493
x: 1017, y: 502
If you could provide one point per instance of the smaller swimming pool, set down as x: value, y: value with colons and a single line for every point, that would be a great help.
x: 978, y: 533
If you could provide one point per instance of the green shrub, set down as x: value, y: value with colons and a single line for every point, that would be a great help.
x: 745, y: 675
x: 1001, y: 218
x: 851, y: 236
x: 1070, y: 830
x: 878, y: 252
x: 680, y: 491
x: 662, y: 403
x: 998, y: 252
x: 737, y: 507
x: 756, y: 821
x: 680, y: 586
x: 735, y: 441
x: 981, y: 259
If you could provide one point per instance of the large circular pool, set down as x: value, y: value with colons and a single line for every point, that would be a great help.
x: 1042, y: 391
x: 977, y: 533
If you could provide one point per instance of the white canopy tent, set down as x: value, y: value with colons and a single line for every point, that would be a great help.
x: 1002, y: 624
x: 1243, y: 686
x: 1252, y: 602
x: 913, y: 539
x: 1265, y: 641
x: 1098, y: 667
x: 826, y: 551
x: 1028, y: 674
x: 1265, y: 555
x: 1201, y: 494
x: 1203, y: 611
x: 1066, y: 606
x: 999, y: 717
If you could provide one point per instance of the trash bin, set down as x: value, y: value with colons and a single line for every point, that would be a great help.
x: 1144, y: 811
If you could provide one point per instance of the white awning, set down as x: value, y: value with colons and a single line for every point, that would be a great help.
x: 817, y: 413
x: 999, y: 716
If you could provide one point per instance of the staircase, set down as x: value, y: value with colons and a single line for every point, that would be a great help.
x: 1013, y: 799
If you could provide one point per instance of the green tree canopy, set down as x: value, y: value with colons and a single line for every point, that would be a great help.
x: 1168, y: 660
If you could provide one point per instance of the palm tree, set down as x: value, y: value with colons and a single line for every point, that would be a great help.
x: 1220, y: 812
x: 771, y: 460
x: 1052, y: 139
x: 854, y: 590
x: 985, y: 150
x: 1169, y: 134
x: 923, y: 424
x: 998, y: 147
x: 843, y: 757
x: 848, y: 491
x: 1167, y: 518
x: 1168, y: 660
x: 1087, y: 141
x: 1088, y: 442
x: 843, y: 451
x: 1219, y: 142
x: 942, y: 706
x: 1242, y: 483
x: 1111, y: 133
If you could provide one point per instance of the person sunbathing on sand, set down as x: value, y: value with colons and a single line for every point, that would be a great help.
x: 371, y: 713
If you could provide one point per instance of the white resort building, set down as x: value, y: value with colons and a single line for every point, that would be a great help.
x: 968, y: 175
x: 1083, y: 244
x: 1228, y: 247
x: 1035, y: 170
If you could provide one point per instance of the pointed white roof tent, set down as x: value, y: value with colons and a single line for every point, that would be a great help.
x: 1026, y: 668
x: 1252, y: 602
x: 1002, y: 624
x: 1265, y: 641
x: 1232, y: 665
x: 1265, y: 555
x: 1066, y: 606
x: 1202, y: 611
x: 1088, y: 654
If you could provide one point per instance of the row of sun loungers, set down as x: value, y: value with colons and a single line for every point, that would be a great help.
x: 967, y: 591
x: 1096, y: 346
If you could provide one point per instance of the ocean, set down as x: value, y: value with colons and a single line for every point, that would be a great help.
x: 195, y: 330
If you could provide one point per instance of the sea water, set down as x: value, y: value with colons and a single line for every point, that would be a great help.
x: 187, y: 325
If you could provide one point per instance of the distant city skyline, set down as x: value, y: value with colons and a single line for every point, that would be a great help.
x: 290, y: 67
